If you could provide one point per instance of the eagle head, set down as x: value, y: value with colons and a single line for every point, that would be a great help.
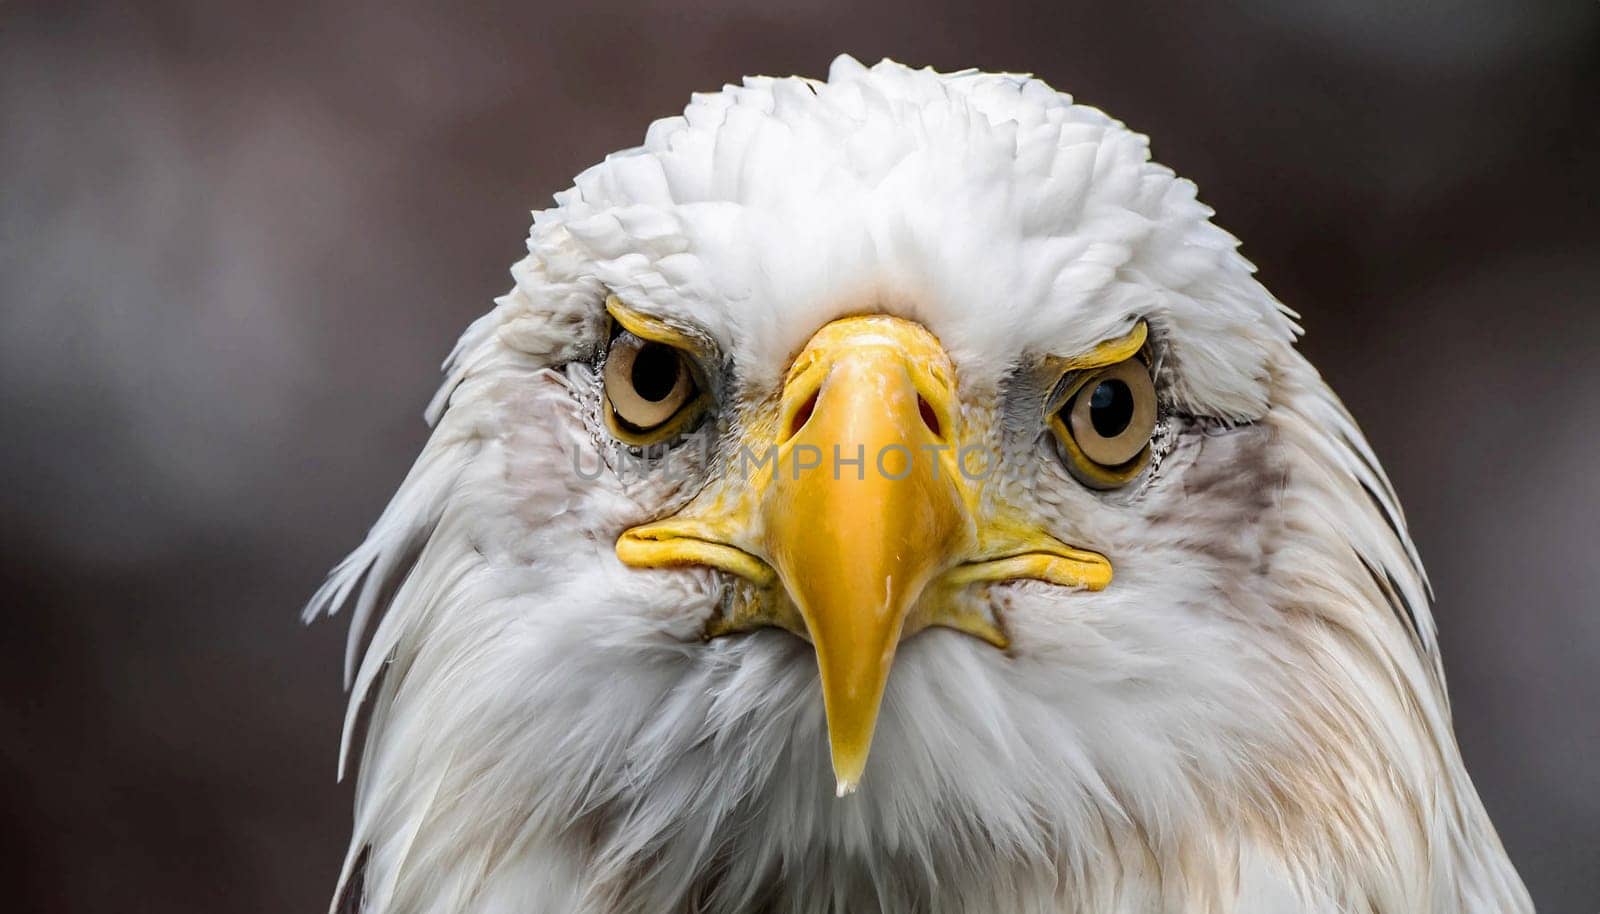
x: 893, y: 493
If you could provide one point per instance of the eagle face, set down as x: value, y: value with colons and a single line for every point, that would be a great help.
x: 893, y: 493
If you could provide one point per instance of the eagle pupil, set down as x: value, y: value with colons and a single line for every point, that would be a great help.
x: 655, y: 372
x: 1111, y: 408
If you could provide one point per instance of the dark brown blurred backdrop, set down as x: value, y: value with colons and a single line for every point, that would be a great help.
x: 236, y: 240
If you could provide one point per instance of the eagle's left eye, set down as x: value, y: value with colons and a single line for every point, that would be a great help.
x: 650, y: 390
x: 1105, y: 426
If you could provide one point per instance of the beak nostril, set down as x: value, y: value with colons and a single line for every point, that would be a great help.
x: 802, y: 415
x: 929, y: 417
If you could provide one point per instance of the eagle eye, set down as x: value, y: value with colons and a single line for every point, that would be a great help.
x: 651, y: 392
x: 1104, y: 427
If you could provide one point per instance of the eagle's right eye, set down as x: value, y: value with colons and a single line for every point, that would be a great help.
x: 651, y: 392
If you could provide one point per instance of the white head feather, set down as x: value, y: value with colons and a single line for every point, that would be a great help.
x: 1253, y: 718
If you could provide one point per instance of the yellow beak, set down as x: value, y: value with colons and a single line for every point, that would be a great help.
x: 863, y: 510
x: 857, y: 538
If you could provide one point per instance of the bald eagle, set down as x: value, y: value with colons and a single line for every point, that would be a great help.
x: 892, y: 493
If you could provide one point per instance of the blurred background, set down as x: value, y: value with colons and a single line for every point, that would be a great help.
x: 237, y: 239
